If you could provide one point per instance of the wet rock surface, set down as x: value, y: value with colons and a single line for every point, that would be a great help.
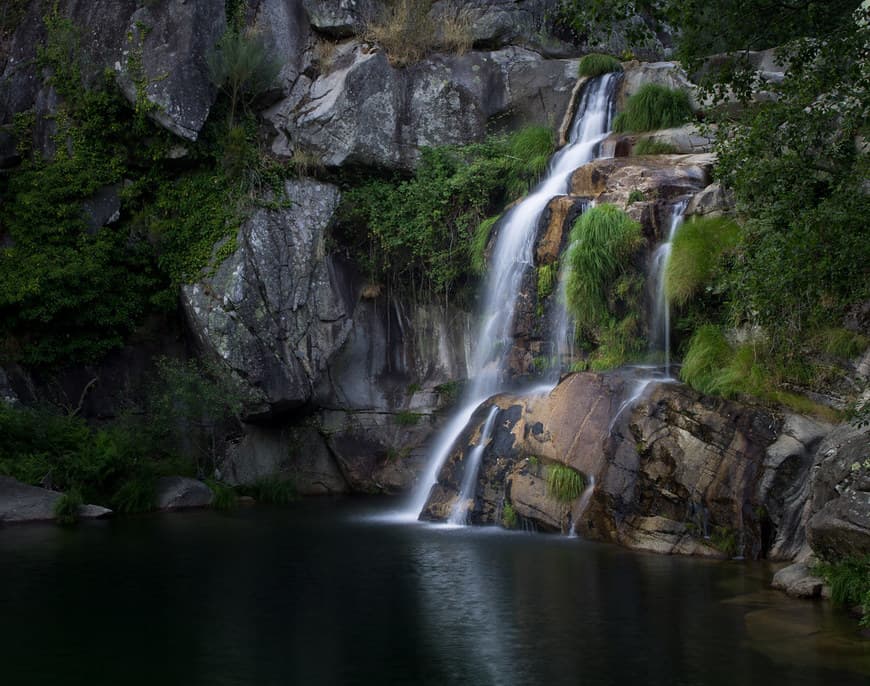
x: 179, y: 493
x: 21, y: 503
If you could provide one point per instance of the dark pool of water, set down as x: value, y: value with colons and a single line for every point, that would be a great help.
x: 317, y: 594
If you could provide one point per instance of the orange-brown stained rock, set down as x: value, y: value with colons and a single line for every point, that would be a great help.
x: 547, y: 250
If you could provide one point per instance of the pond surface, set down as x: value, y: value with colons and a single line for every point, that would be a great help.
x: 318, y: 593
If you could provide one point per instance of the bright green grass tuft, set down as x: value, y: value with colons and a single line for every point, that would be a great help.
x: 603, y: 241
x: 509, y: 517
x: 708, y: 353
x: 563, y: 483
x: 695, y: 253
x: 596, y: 64
x: 648, y: 146
x: 653, y: 107
x: 843, y: 343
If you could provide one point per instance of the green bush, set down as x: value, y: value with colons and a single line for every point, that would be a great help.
x: 427, y: 234
x: 563, y: 483
x: 696, y: 252
x: 596, y: 64
x: 137, y: 494
x: 603, y: 241
x: 707, y: 354
x: 653, y: 107
x: 66, y: 509
x: 843, y: 343
x: 648, y: 146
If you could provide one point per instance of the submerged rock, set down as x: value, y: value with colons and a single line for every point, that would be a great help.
x: 798, y: 581
x: 23, y: 503
x: 179, y: 492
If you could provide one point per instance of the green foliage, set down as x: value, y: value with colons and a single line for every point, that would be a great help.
x: 66, y: 508
x: 603, y: 242
x: 648, y: 146
x: 563, y: 483
x: 273, y: 491
x: 509, y: 519
x: 653, y: 107
x: 636, y: 195
x: 428, y: 232
x: 596, y: 64
x: 548, y: 277
x: 225, y: 497
x: 137, y: 494
x: 479, y: 243
x: 189, y: 401
x: 849, y: 579
x: 724, y: 539
x: 843, y: 343
x: 696, y: 252
x: 406, y: 418
x: 449, y: 391
x: 708, y: 354
x: 242, y: 67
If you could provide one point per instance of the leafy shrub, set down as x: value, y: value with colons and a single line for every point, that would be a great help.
x: 648, y: 146
x: 653, y: 107
x: 603, y: 241
x: 427, y: 234
x: 596, y: 64
x: 243, y: 68
x: 563, y: 483
x: 696, y: 252
x: 66, y: 508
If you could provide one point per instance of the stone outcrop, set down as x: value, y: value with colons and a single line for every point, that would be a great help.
x: 277, y: 309
x: 798, y: 581
x: 667, y: 74
x: 22, y: 503
x: 363, y: 111
x: 840, y: 506
x: 164, y: 61
x: 340, y: 18
x: 713, y: 201
x: 179, y: 492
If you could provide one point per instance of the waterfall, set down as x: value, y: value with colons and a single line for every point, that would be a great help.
x: 512, y: 255
x: 469, y: 478
x: 660, y: 327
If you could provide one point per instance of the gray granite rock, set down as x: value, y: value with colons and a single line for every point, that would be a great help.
x: 179, y: 492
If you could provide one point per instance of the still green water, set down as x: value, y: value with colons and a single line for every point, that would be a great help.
x: 318, y: 593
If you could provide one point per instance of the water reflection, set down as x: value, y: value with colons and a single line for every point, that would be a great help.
x: 315, y: 595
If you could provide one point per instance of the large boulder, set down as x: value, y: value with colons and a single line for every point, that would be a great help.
x: 22, y: 503
x: 340, y: 18
x: 667, y: 74
x: 279, y: 307
x: 840, y: 522
x: 179, y: 492
x: 366, y: 112
x: 164, y: 61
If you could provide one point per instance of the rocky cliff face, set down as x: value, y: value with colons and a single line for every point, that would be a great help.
x: 671, y: 472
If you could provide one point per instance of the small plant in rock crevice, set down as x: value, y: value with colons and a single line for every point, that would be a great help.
x: 563, y: 483
x: 653, y: 107
x: 596, y: 64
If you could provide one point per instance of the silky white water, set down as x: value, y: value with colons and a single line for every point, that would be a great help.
x: 469, y: 478
x: 660, y: 327
x: 511, y: 256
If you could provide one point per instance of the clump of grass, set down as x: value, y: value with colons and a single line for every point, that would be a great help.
x: 478, y: 244
x: 509, y: 517
x: 695, y: 253
x: 548, y: 275
x: 708, y: 353
x: 636, y: 195
x: 136, y: 495
x: 563, y: 483
x: 596, y: 64
x: 724, y: 539
x: 274, y: 491
x: 603, y: 241
x: 843, y: 343
x: 648, y: 146
x: 653, y: 107
x: 406, y: 418
x: 66, y: 508
x: 849, y: 579
x: 225, y: 497
x: 455, y: 29
x: 532, y: 146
